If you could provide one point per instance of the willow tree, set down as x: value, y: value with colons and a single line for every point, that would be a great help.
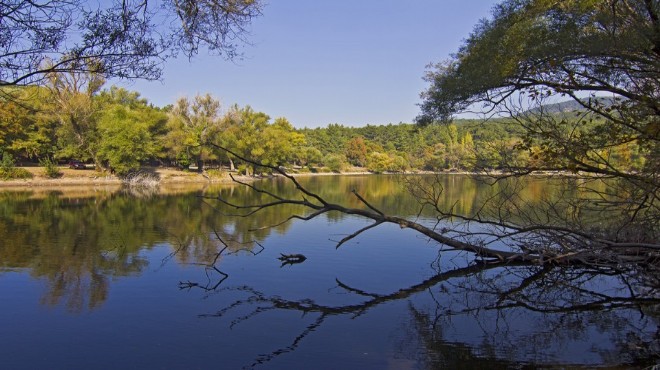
x: 252, y: 135
x: 130, y: 131
x: 72, y: 95
x: 191, y: 125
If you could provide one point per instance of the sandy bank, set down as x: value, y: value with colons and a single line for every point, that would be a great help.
x: 90, y: 177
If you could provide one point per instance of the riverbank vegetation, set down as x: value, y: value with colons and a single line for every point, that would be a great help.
x: 117, y: 131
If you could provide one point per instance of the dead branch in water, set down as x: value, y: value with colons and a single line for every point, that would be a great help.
x: 533, y: 243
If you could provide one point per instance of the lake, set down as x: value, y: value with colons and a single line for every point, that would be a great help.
x: 107, y: 278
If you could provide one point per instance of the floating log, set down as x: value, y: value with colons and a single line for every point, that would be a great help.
x: 291, y: 259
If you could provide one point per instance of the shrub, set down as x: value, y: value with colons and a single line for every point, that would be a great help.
x: 386, y: 162
x: 9, y: 172
x: 216, y: 174
x: 50, y: 168
x: 335, y: 162
x: 141, y: 179
x: 14, y: 174
x: 7, y: 161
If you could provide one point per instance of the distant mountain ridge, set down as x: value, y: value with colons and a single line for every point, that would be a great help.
x: 572, y: 105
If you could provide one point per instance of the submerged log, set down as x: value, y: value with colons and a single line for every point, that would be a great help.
x: 291, y: 259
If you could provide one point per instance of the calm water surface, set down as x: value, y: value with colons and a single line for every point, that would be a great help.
x: 104, y: 278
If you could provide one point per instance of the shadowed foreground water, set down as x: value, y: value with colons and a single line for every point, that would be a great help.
x: 114, y: 280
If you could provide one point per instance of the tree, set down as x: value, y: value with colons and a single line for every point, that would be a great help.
x: 191, y: 126
x: 308, y: 156
x: 252, y: 135
x: 129, y: 130
x: 533, y: 51
x: 126, y: 39
x: 281, y: 142
x: 73, y: 98
x: 335, y: 162
x: 385, y: 162
x: 356, y: 151
x: 27, y: 125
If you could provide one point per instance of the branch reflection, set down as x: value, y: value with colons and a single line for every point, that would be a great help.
x: 525, y: 314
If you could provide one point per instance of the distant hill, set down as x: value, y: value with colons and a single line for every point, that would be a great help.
x: 571, y: 106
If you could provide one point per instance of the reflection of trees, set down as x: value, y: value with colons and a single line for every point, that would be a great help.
x: 78, y: 245
x: 557, y: 307
x: 523, y: 311
x: 562, y: 264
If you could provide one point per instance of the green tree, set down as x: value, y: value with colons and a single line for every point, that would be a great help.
x: 385, y: 162
x: 335, y: 162
x: 281, y: 142
x: 533, y: 51
x: 27, y: 128
x: 309, y: 156
x: 73, y: 97
x: 192, y: 125
x: 251, y: 135
x: 128, y: 130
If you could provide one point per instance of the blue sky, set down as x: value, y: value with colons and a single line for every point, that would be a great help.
x: 352, y: 62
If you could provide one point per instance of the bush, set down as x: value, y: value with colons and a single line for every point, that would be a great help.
x: 50, y: 168
x: 386, y: 162
x: 7, y: 161
x: 9, y: 172
x: 216, y: 174
x: 335, y: 162
x: 14, y: 174
x: 141, y: 179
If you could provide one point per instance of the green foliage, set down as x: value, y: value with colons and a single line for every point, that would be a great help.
x: 601, y: 54
x: 7, y: 161
x: 540, y: 49
x: 27, y: 126
x: 308, y: 156
x: 128, y: 130
x: 124, y: 131
x: 8, y: 171
x: 15, y: 174
x: 73, y: 97
x: 50, y: 168
x: 251, y: 135
x: 335, y: 162
x: 191, y: 125
x: 383, y: 162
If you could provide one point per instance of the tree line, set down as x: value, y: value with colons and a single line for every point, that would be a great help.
x: 119, y: 131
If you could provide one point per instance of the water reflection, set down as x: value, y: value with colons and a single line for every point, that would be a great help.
x: 466, y: 318
x: 384, y: 299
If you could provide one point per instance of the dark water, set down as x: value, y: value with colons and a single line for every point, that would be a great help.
x: 112, y: 279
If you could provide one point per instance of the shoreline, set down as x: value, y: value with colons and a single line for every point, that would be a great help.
x: 174, y: 177
x: 164, y: 176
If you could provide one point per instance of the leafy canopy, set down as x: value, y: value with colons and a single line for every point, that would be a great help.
x: 548, y: 46
x: 533, y: 51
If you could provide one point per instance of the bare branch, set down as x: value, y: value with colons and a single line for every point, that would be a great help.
x: 355, y: 234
